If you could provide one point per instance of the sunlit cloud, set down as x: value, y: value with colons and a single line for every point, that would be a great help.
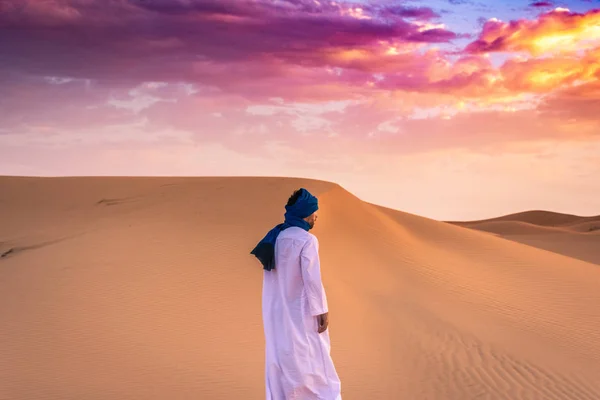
x: 554, y: 32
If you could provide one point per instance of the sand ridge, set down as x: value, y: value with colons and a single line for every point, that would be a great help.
x: 539, y: 217
x: 570, y: 235
x: 146, y: 289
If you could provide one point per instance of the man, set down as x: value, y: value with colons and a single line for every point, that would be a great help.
x: 295, y: 311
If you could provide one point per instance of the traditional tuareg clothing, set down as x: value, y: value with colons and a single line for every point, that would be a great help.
x: 305, y: 206
x: 298, y: 360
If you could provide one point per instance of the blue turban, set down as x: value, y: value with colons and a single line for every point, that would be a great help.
x: 305, y: 206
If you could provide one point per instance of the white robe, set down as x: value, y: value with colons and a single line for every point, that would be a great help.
x: 298, y: 360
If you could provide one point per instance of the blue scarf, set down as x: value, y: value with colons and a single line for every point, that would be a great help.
x: 305, y: 206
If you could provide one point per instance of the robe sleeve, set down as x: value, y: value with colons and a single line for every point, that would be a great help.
x: 311, y: 275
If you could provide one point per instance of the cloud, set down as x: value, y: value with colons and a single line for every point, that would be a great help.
x: 557, y: 31
x: 578, y: 104
x: 241, y: 73
x: 460, y: 2
x: 36, y: 102
x: 420, y: 13
x: 296, y: 50
x: 546, y: 74
x: 121, y: 40
x: 541, y: 4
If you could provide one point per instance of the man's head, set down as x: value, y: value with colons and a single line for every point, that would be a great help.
x: 304, y: 205
x: 312, y: 218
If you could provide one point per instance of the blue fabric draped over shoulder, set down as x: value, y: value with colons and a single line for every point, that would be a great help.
x: 305, y: 206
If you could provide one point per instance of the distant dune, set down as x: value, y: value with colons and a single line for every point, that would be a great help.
x: 144, y: 288
x: 571, y: 235
x: 541, y: 218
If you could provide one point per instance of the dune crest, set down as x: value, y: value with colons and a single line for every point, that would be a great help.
x: 146, y: 289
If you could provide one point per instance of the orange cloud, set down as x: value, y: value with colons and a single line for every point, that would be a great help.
x: 547, y: 74
x: 557, y: 31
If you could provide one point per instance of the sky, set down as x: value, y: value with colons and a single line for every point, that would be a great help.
x: 449, y: 109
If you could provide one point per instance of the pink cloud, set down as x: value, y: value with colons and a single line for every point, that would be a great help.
x: 295, y: 50
x: 579, y: 103
x: 158, y: 40
x: 421, y: 13
x: 29, y: 102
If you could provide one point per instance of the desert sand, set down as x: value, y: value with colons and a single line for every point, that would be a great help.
x: 571, y: 235
x: 144, y: 288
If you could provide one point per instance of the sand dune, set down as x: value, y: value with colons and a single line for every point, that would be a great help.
x: 143, y: 288
x: 541, y: 218
x: 515, y: 228
x: 570, y: 235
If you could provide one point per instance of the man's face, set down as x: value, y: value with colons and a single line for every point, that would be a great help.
x: 312, y: 219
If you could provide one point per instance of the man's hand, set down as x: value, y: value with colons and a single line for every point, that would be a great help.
x: 323, y: 322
